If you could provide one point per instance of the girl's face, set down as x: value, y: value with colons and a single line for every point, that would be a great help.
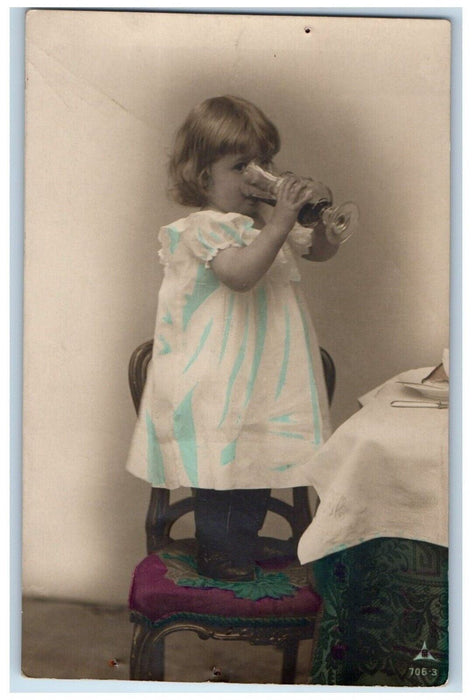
x: 224, y: 191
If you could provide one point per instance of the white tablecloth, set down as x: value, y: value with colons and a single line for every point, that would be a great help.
x: 383, y: 473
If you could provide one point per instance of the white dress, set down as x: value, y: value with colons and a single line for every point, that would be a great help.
x: 235, y: 396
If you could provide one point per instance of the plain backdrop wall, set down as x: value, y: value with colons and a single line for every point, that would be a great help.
x: 361, y: 104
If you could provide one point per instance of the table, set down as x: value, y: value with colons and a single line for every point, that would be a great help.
x: 378, y: 544
x: 383, y: 473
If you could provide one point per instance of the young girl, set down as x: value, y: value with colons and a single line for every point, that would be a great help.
x: 235, y: 401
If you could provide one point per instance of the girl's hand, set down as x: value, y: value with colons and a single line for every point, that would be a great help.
x: 291, y: 196
x: 241, y: 268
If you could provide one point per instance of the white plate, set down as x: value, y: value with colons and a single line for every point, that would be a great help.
x: 429, y: 389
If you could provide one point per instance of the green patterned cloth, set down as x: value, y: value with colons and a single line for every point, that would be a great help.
x: 385, y: 615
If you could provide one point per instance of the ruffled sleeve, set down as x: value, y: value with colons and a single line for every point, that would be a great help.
x: 205, y: 233
x: 300, y: 239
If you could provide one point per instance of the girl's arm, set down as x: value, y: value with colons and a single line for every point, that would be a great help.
x: 241, y: 268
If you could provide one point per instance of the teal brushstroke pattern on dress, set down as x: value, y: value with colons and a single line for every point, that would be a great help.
x: 236, y: 367
x: 261, y: 327
x: 229, y: 316
x: 312, y: 382
x: 174, y: 238
x: 283, y: 369
x: 211, y: 249
x: 233, y: 234
x: 287, y: 434
x: 206, y: 283
x: 167, y: 318
x: 155, y: 462
x: 228, y: 454
x: 282, y: 468
x: 184, y: 431
x: 215, y: 237
x: 285, y: 418
x: 201, y: 343
x: 165, y: 349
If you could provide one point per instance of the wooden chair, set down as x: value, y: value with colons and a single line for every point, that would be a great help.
x: 166, y: 595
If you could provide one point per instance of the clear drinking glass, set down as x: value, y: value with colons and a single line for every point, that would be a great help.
x: 340, y: 221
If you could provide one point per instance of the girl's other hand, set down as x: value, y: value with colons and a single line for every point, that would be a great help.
x: 293, y: 193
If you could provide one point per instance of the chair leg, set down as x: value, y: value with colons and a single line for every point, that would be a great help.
x: 147, y: 656
x: 156, y: 662
x: 289, y: 662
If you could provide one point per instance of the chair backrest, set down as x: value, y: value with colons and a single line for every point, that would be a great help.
x: 162, y: 514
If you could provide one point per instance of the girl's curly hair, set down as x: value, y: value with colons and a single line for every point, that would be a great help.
x: 215, y: 128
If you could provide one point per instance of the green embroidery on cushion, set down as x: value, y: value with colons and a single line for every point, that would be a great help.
x: 265, y: 585
x: 201, y: 343
x: 261, y: 327
x: 227, y: 327
x: 174, y: 238
x: 206, y: 283
x: 228, y: 454
x: 282, y: 468
x: 165, y: 349
x: 184, y: 430
x: 236, y: 367
x: 283, y: 369
x: 155, y: 461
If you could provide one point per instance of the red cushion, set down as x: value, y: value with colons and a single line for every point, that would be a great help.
x: 154, y: 594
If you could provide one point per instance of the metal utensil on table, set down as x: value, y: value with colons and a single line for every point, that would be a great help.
x: 405, y: 403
